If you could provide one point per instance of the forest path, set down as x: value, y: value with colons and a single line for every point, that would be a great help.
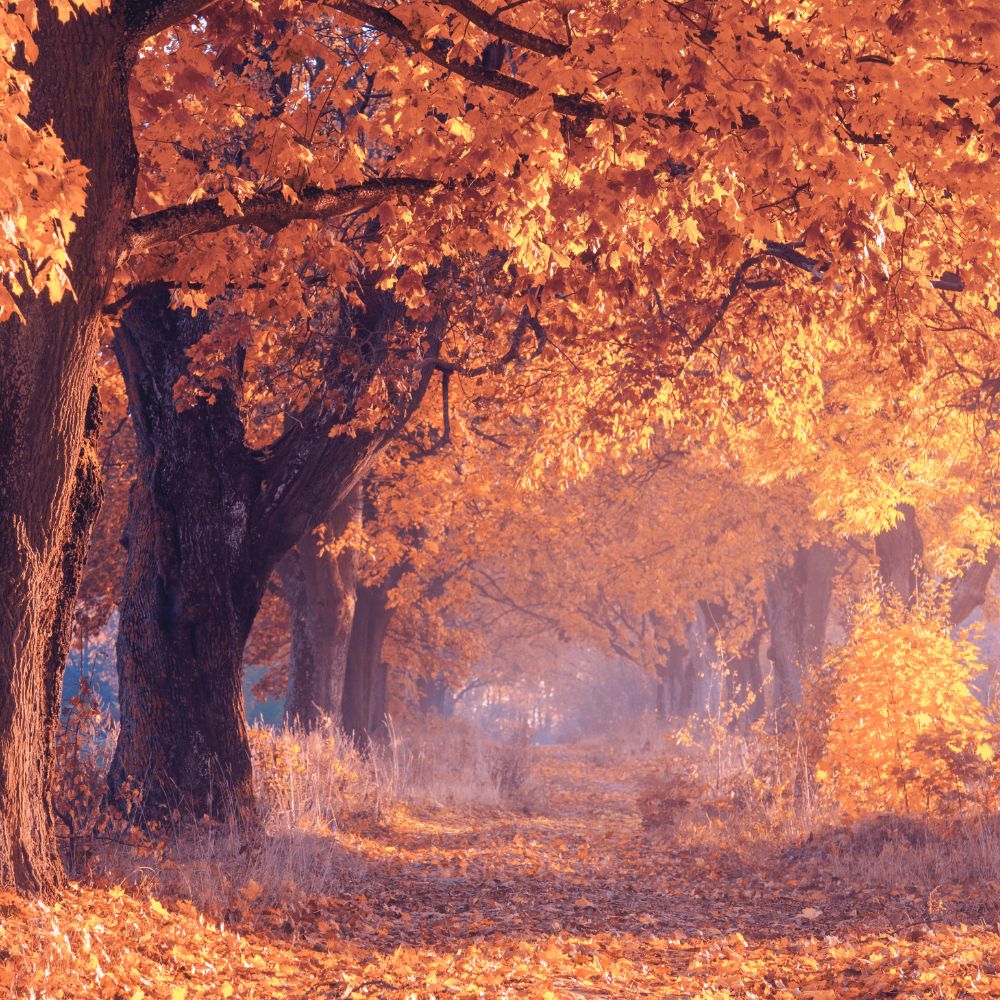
x: 579, y: 900
x: 576, y: 900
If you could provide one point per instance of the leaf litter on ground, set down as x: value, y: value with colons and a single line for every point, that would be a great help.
x: 578, y: 901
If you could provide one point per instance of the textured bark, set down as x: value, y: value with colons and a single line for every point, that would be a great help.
x: 192, y: 585
x: 366, y: 682
x: 321, y: 590
x: 209, y: 519
x: 798, y: 606
x: 79, y: 86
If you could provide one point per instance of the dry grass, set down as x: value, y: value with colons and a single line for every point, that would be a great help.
x: 311, y: 787
x: 448, y: 762
x: 892, y: 851
x: 752, y: 795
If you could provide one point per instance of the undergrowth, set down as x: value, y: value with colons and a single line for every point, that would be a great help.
x: 313, y: 789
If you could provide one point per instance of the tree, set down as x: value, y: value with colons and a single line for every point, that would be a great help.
x: 799, y: 591
x: 321, y: 588
x: 606, y: 160
x: 210, y: 517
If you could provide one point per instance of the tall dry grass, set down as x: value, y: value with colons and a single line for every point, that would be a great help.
x: 314, y: 790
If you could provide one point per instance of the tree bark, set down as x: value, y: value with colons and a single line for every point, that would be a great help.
x: 968, y: 591
x: 365, y: 701
x: 900, y: 552
x: 322, y: 591
x: 798, y: 606
x: 47, y: 477
x: 209, y: 519
x: 192, y: 583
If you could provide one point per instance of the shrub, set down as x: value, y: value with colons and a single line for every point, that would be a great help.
x: 905, y: 733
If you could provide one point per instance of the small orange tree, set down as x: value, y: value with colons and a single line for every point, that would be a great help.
x: 906, y: 733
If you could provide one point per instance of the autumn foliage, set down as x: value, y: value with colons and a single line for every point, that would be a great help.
x: 508, y: 485
x: 906, y: 733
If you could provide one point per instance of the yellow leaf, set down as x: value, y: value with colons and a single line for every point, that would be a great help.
x: 460, y: 128
x: 691, y: 231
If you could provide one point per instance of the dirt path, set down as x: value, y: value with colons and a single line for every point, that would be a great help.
x: 575, y: 901
x: 581, y: 901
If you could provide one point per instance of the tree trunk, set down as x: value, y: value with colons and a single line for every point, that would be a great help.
x: 192, y: 585
x: 366, y: 681
x: 745, y: 683
x: 703, y: 662
x: 321, y: 591
x: 670, y: 675
x: 968, y: 591
x: 48, y: 489
x: 798, y: 606
x: 900, y: 552
x: 209, y: 519
x: 436, y: 696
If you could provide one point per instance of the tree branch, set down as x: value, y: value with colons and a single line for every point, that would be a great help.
x: 526, y: 322
x: 269, y: 212
x: 516, y: 36
x: 145, y: 18
x: 570, y: 105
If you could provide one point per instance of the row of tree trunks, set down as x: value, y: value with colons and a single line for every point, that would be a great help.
x: 321, y: 589
x: 80, y: 90
x: 692, y: 680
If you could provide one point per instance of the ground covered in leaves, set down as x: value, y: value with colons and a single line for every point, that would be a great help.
x: 577, y: 899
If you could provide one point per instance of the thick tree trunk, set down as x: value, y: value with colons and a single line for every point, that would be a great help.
x: 209, y: 519
x: 321, y: 590
x: 192, y: 585
x: 798, y: 606
x: 366, y: 682
x: 47, y: 476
